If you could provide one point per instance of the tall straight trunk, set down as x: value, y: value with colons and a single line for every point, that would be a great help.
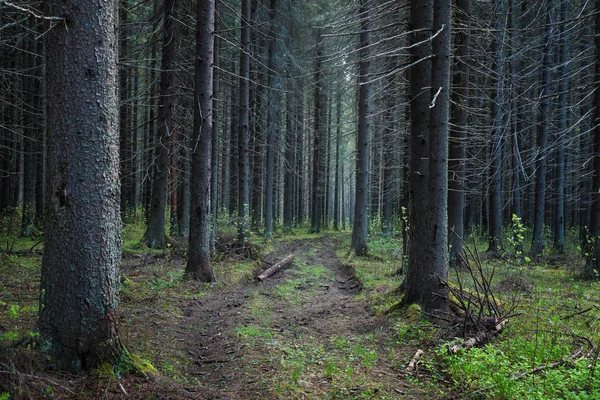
x: 514, y: 130
x: 389, y: 163
x: 300, y: 159
x: 272, y: 104
x: 243, y: 122
x: 258, y: 165
x: 288, y: 182
x: 495, y: 245
x: 559, y: 216
x: 82, y: 242
x: 421, y: 21
x: 435, y: 290
x: 318, y: 163
x: 155, y: 236
x: 360, y: 230
x: 214, y: 159
x: 458, y: 134
x: 338, y: 139
x: 198, y: 265
x: 124, y: 117
x: 29, y: 138
x: 592, y: 265
x: 40, y: 161
x: 537, y: 243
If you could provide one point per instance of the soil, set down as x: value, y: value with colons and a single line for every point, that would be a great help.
x: 327, y: 308
x: 316, y: 337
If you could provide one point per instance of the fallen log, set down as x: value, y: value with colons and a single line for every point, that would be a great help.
x: 283, y: 263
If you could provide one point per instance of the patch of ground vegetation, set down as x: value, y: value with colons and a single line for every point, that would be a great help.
x: 320, y: 328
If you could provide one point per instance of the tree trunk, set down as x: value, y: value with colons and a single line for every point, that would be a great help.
x: 243, y: 122
x: 559, y: 216
x: 318, y: 164
x: 198, y: 261
x: 421, y: 20
x: 338, y: 139
x: 214, y: 159
x: 288, y: 182
x: 435, y: 290
x: 272, y: 105
x: 458, y: 134
x: 124, y: 139
x: 82, y: 249
x: 155, y: 236
x: 592, y: 265
x: 360, y: 229
x: 495, y: 245
x: 537, y: 244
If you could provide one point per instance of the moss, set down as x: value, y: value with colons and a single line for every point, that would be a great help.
x: 104, y: 370
x: 139, y: 366
x: 413, y: 313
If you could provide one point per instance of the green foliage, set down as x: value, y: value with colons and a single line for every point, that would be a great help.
x: 253, y: 331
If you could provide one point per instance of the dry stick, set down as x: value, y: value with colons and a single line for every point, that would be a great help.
x: 413, y: 363
x: 40, y: 378
x: 275, y: 268
x: 577, y: 313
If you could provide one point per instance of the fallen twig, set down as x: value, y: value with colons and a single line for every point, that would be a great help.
x: 413, y: 363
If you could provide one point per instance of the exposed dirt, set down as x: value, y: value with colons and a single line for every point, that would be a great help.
x: 304, y: 332
x: 325, y: 309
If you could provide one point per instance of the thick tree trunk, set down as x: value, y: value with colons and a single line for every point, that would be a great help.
x: 155, y: 236
x: 360, y: 229
x: 458, y: 134
x: 198, y: 257
x: 82, y: 249
x: 214, y: 159
x: 421, y: 21
x: 435, y: 290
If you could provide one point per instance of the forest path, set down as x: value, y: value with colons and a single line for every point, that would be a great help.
x: 302, y: 333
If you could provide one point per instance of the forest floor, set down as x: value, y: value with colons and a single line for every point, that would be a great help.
x: 319, y: 328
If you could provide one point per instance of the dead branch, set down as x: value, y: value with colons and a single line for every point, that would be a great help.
x: 283, y: 263
x: 413, y: 363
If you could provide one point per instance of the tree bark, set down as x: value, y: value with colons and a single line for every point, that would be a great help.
x: 559, y: 216
x: 458, y: 134
x: 155, y: 236
x: 214, y: 159
x: 198, y: 261
x: 435, y: 290
x: 272, y: 105
x: 421, y: 21
x: 318, y: 163
x: 592, y: 265
x: 495, y: 245
x: 360, y: 229
x: 82, y: 248
x: 537, y: 243
x: 243, y: 122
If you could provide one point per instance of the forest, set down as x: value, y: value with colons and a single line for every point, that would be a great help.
x: 284, y: 199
